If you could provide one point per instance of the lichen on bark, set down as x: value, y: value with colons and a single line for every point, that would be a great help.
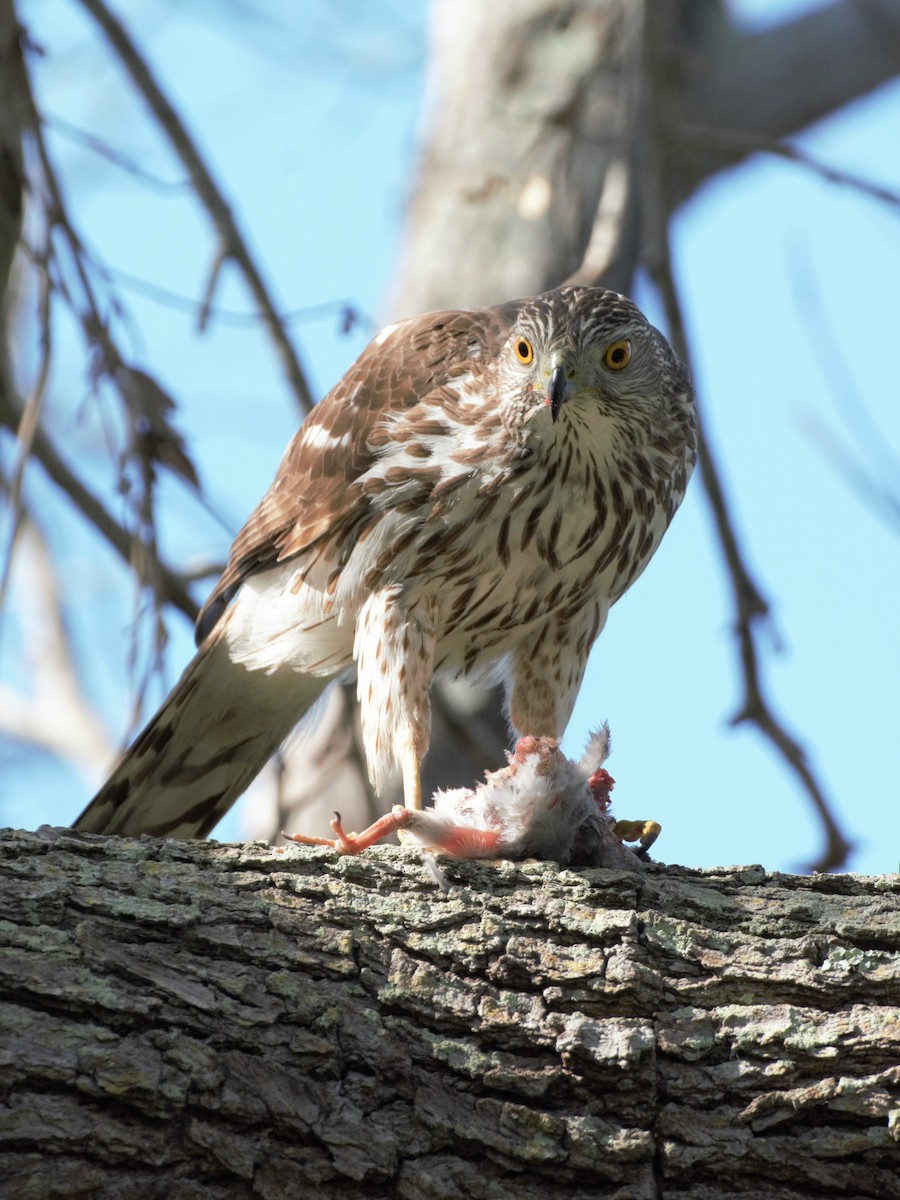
x: 198, y: 1020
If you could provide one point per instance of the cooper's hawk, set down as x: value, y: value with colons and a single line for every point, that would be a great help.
x: 470, y: 498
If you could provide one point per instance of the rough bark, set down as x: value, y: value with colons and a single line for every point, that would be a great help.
x: 196, y: 1020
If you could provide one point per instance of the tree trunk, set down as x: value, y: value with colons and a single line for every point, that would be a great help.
x: 191, y: 1020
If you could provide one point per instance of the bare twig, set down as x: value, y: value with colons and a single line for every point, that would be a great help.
x: 44, y: 452
x: 877, y: 497
x: 53, y: 712
x: 751, y: 607
x: 825, y: 343
x: 215, y: 274
x: 735, y: 145
x: 107, y: 361
x: 204, y: 569
x: 207, y: 191
x: 28, y: 422
x: 346, y: 310
x: 123, y: 161
x: 609, y: 250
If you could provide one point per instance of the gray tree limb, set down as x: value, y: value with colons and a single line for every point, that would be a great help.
x: 191, y: 1020
x: 13, y: 122
x: 776, y: 82
x: 532, y: 140
x: 232, y: 243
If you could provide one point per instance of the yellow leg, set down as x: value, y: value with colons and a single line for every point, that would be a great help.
x: 412, y: 785
x: 646, y: 832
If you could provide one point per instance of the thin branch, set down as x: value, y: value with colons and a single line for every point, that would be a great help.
x: 780, y: 80
x: 93, y: 326
x: 734, y: 145
x: 53, y: 713
x: 116, y: 157
x: 751, y: 607
x: 609, y: 254
x: 860, y: 425
x: 207, y: 191
x: 350, y: 315
x: 877, y: 497
x: 204, y: 569
x: 43, y: 450
x: 144, y: 556
x: 215, y: 274
x: 29, y: 421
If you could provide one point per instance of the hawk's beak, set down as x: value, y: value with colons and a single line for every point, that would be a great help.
x: 557, y: 391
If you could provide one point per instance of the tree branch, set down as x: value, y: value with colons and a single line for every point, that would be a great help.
x: 51, y: 711
x: 27, y: 426
x: 233, y: 244
x: 751, y: 607
x: 190, y: 1019
x: 779, y: 81
x: 13, y: 122
x: 726, y: 143
x: 172, y: 587
x: 530, y: 137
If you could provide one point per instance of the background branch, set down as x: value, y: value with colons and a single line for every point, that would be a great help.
x: 232, y: 243
x: 172, y: 588
x: 775, y: 82
x: 751, y: 608
x: 51, y: 711
x: 27, y: 427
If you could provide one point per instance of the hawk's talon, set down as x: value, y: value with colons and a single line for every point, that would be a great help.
x: 306, y: 840
x: 644, y: 832
x: 355, y: 843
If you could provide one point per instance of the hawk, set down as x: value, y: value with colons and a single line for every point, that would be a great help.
x: 469, y: 499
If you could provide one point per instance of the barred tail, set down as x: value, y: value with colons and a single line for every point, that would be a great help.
x: 214, y: 733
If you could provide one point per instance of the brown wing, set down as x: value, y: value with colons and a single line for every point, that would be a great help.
x: 315, y: 490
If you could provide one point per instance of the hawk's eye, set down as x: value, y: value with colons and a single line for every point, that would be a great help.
x: 524, y: 350
x: 617, y: 355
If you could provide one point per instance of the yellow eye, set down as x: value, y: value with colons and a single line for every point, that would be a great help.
x: 617, y: 355
x: 524, y: 351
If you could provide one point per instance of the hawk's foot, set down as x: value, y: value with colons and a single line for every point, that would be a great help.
x: 355, y: 843
x: 644, y: 832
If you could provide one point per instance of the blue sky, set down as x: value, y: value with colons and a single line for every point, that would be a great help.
x: 310, y: 125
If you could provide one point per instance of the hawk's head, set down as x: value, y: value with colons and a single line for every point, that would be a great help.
x: 575, y: 354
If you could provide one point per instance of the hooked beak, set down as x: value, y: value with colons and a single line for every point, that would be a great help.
x: 557, y: 392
